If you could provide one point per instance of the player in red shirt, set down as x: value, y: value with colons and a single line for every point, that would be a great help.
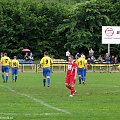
x: 71, y: 75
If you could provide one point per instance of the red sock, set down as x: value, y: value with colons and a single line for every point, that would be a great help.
x: 72, y: 90
x: 69, y: 87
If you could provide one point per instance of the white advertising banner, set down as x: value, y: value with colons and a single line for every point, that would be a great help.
x: 110, y: 34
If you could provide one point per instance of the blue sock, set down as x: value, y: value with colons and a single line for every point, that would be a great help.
x: 15, y: 78
x: 3, y: 77
x: 80, y: 80
x: 12, y: 77
x: 44, y: 82
x: 48, y: 81
x: 6, y: 78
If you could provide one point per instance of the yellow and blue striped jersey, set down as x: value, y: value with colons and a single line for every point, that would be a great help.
x: 118, y: 66
x: 46, y: 62
x: 5, y: 61
x: 80, y: 62
x: 15, y: 63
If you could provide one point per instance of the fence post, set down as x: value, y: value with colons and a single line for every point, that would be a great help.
x: 22, y: 68
x: 36, y: 69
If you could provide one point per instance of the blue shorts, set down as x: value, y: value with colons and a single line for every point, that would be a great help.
x: 46, y: 72
x: 14, y: 71
x: 81, y: 72
x: 5, y: 69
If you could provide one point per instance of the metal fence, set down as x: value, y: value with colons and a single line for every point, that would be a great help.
x: 62, y: 67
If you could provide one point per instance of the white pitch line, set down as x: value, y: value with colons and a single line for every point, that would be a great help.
x: 36, y: 100
x: 28, y: 114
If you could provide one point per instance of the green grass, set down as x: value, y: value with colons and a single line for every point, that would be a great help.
x: 27, y: 99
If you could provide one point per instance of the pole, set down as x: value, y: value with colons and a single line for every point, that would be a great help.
x: 109, y: 49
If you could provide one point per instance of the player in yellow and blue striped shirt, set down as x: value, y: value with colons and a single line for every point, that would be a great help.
x: 5, y: 61
x: 46, y: 63
x: 81, y: 65
x: 15, y: 66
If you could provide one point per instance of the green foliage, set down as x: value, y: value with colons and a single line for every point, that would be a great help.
x: 56, y: 25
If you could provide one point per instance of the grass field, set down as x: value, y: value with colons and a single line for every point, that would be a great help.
x: 27, y: 99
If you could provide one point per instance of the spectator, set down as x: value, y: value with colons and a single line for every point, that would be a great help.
x: 31, y: 56
x: 100, y: 59
x: 26, y: 57
x: 91, y: 52
x: 67, y: 54
x: 113, y: 60
x: 89, y: 61
x: 107, y: 58
x: 76, y: 56
x: 1, y: 55
x: 92, y: 59
x: 116, y: 60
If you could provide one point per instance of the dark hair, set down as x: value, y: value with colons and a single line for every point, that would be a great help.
x: 5, y: 54
x: 79, y: 55
x: 45, y: 53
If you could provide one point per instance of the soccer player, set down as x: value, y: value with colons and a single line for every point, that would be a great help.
x: 71, y: 75
x: 81, y: 67
x: 15, y: 66
x: 118, y: 68
x: 5, y: 61
x: 85, y: 67
x: 46, y: 63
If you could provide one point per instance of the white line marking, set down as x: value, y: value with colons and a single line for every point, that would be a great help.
x: 29, y: 114
x: 36, y: 100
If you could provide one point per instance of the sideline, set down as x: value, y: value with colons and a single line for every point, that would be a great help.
x: 36, y: 100
x: 28, y: 114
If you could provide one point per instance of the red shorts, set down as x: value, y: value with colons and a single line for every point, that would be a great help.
x: 70, y: 80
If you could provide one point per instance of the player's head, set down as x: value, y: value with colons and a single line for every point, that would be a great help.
x: 82, y: 56
x: 70, y: 58
x: 5, y: 54
x: 45, y: 53
x: 15, y: 57
x: 79, y: 55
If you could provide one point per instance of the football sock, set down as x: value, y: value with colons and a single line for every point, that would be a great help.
x: 69, y: 87
x: 44, y: 82
x: 3, y: 77
x: 79, y: 80
x: 12, y: 77
x: 15, y: 78
x: 72, y: 90
x: 48, y: 81
x: 6, y: 78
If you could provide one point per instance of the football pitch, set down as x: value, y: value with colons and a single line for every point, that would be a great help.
x: 27, y: 99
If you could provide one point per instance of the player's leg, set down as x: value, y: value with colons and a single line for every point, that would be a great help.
x: 79, y: 76
x: 48, y: 76
x: 67, y: 83
x: 3, y: 77
x: 85, y: 74
x: 72, y: 82
x: 16, y: 73
x: 7, y: 72
x: 82, y: 74
x: 72, y: 90
x: 13, y: 72
x: 44, y: 77
x: 68, y: 86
